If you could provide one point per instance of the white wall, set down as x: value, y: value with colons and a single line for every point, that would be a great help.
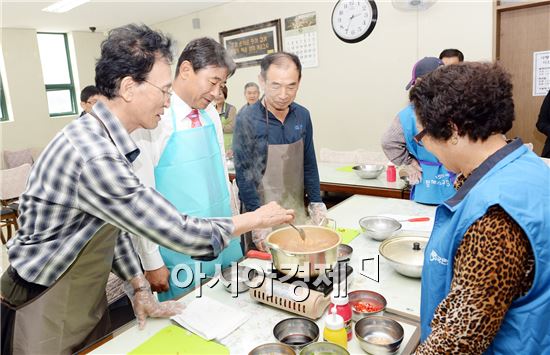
x: 357, y: 89
x: 353, y: 94
x: 31, y: 125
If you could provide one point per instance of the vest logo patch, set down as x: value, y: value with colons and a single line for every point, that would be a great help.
x: 437, y: 258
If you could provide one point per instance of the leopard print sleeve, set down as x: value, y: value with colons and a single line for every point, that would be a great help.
x: 494, y: 265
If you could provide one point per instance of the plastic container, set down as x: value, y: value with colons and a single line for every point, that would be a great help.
x: 343, y: 309
x: 391, y: 173
x: 334, y: 331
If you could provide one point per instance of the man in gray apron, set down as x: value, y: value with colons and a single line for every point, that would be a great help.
x: 82, y: 201
x: 273, y: 146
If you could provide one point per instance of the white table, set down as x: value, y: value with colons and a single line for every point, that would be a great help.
x: 402, y: 293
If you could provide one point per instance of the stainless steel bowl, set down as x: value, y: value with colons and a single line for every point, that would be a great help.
x: 365, y: 296
x: 237, y: 279
x: 368, y: 171
x: 272, y: 349
x: 379, y: 335
x: 344, y: 252
x: 340, y: 273
x: 323, y: 348
x: 405, y: 254
x: 296, y: 332
x: 378, y: 227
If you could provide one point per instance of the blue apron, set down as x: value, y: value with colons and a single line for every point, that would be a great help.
x: 191, y: 176
x: 524, y: 329
x: 436, y: 184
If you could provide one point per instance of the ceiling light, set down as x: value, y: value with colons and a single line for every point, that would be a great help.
x: 64, y: 5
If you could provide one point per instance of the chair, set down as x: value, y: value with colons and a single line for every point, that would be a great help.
x: 8, y: 219
x: 12, y: 184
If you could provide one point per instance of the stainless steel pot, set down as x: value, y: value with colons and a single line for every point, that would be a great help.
x: 405, y: 254
x: 294, y: 257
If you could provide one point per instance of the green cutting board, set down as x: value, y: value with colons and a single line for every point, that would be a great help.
x: 177, y: 340
x: 347, y: 234
x: 346, y: 169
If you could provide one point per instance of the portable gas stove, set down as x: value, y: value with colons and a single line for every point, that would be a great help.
x: 305, y: 298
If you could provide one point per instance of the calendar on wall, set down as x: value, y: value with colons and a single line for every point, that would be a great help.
x: 300, y: 38
x: 541, y: 73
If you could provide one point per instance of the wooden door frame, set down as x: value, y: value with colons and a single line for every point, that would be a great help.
x: 508, y: 7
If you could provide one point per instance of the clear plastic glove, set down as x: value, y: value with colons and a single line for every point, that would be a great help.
x: 259, y: 236
x: 271, y: 214
x: 317, y: 211
x: 414, y: 172
x: 146, y: 305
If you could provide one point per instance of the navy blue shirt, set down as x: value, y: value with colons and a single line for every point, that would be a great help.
x: 250, y: 140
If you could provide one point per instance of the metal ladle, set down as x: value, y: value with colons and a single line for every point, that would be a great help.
x: 300, y: 231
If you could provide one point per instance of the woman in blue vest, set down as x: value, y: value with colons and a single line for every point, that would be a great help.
x: 486, y: 274
x: 430, y: 182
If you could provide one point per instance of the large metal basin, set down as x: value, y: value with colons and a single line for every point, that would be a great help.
x: 309, y: 258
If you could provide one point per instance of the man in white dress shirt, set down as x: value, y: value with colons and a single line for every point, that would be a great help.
x: 183, y: 159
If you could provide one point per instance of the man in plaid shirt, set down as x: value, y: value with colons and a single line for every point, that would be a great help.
x: 84, y: 179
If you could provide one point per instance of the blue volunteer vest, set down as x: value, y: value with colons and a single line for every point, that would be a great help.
x: 191, y: 176
x: 518, y: 181
x: 436, y: 184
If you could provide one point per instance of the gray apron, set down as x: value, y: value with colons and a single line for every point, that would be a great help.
x: 283, y: 179
x: 70, y: 314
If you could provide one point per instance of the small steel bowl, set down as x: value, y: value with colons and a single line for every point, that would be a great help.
x: 341, y: 271
x: 344, y: 252
x: 368, y: 171
x: 373, y: 298
x: 379, y: 335
x: 296, y: 332
x: 238, y: 278
x: 272, y: 349
x: 379, y: 228
x: 322, y: 348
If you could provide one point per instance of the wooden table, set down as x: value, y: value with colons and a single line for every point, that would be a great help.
x: 335, y: 181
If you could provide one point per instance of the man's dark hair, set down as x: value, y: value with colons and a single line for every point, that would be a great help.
x: 131, y: 51
x: 278, y: 59
x: 224, y: 91
x: 88, y: 92
x: 451, y: 52
x: 206, y: 52
x: 476, y: 97
x: 251, y: 84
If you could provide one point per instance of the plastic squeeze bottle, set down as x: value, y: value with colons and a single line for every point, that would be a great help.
x: 334, y: 331
x: 391, y: 173
x: 343, y: 309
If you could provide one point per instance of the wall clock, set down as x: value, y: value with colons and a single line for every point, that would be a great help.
x: 354, y: 20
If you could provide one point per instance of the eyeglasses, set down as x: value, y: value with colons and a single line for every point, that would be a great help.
x: 418, y: 138
x: 166, y: 93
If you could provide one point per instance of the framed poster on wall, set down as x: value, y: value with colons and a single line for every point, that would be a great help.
x: 248, y: 45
